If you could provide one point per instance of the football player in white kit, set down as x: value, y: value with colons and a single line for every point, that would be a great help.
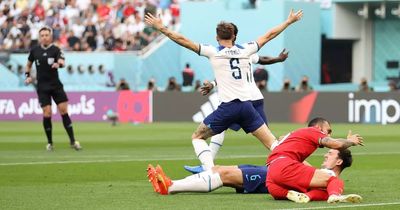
x: 233, y: 73
x: 257, y: 100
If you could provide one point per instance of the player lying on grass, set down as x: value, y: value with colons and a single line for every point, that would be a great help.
x: 289, y: 178
x: 248, y: 179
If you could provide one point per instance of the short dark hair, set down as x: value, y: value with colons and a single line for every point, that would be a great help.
x: 346, y: 157
x: 46, y: 28
x: 235, y: 31
x: 317, y: 121
x: 225, y: 31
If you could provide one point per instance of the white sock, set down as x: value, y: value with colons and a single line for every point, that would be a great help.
x: 206, y: 181
x: 203, y: 152
x: 215, y: 143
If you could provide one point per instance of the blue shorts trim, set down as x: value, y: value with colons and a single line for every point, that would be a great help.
x: 253, y: 179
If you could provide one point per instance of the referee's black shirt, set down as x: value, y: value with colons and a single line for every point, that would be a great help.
x: 44, y: 58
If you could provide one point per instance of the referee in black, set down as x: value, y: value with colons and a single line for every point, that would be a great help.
x: 48, y: 58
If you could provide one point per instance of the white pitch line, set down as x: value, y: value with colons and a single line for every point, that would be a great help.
x: 157, y: 159
x: 347, y: 206
x: 66, y: 156
x: 186, y: 157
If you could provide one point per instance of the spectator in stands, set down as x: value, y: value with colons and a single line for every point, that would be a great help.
x: 188, y: 75
x: 173, y: 85
x: 287, y: 86
x: 151, y: 85
x: 119, y: 45
x: 85, y: 47
x: 175, y: 10
x: 110, y: 82
x: 197, y: 86
x: 393, y: 86
x: 62, y: 42
x: 261, y: 78
x: 253, y: 4
x: 304, y: 86
x: 90, y: 40
x: 20, y: 69
x: 149, y: 7
x: 123, y: 85
x: 10, y: 68
x: 89, y: 21
x: 364, y: 87
x: 109, y: 41
x: 20, y: 74
x: 72, y: 40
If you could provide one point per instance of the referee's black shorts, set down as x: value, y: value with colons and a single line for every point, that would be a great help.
x: 58, y: 94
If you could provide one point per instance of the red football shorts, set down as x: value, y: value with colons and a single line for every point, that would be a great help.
x: 286, y: 174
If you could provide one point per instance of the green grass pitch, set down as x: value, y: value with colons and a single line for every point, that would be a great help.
x: 109, y: 173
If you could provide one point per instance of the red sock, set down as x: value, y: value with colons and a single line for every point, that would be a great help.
x: 317, y: 195
x: 335, y: 186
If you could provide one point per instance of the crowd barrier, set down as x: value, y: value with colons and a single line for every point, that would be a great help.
x: 343, y: 107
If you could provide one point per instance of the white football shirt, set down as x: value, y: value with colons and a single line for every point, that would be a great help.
x: 232, y: 69
x: 255, y: 91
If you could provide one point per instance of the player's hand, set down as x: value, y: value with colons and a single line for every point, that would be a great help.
x: 206, y: 88
x: 28, y: 80
x: 55, y: 66
x: 356, y: 139
x: 156, y: 22
x: 283, y: 55
x: 293, y: 17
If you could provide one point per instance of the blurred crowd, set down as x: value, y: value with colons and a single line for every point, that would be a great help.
x: 83, y: 25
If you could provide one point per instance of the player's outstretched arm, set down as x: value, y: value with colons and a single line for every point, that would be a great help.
x: 352, y: 140
x: 293, y: 17
x: 156, y: 23
x: 265, y: 60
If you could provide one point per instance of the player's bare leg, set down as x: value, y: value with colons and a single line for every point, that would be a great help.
x: 201, y: 147
x: 231, y: 176
x: 265, y: 136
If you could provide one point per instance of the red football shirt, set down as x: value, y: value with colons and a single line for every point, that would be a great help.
x: 299, y: 144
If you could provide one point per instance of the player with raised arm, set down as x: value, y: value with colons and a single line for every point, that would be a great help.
x: 48, y: 58
x: 233, y: 73
x: 289, y: 178
x: 257, y: 100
